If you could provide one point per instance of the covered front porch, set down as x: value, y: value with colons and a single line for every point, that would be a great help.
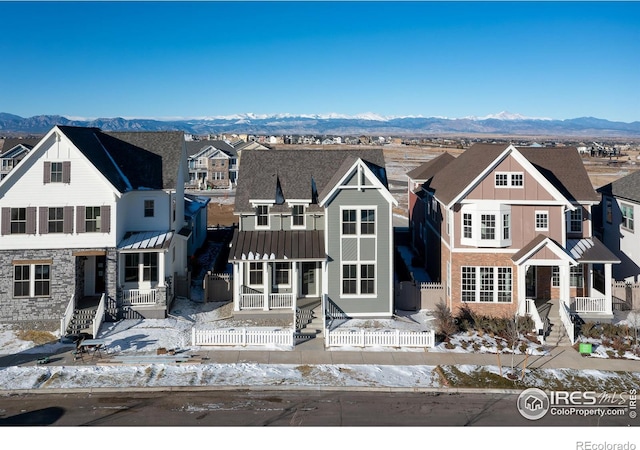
x: 557, y: 284
x: 274, y: 270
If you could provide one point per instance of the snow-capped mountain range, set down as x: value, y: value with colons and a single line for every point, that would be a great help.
x: 503, y: 123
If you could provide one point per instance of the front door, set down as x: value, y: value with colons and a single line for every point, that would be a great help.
x: 100, y: 269
x: 309, y: 284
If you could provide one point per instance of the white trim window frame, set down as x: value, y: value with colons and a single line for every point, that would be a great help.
x: 627, y: 222
x: 541, y: 220
x: 576, y: 276
x: 358, y: 221
x: 55, y: 172
x: 262, y: 216
x: 501, y: 180
x: 149, y: 208
x: 358, y: 279
x: 555, y: 276
x: 486, y: 284
x: 516, y: 180
x: 484, y: 226
x: 574, y: 220
x: 32, y: 280
x: 255, y: 274
x: 298, y: 220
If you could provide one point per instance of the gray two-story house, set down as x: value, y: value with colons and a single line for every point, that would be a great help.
x: 314, y: 225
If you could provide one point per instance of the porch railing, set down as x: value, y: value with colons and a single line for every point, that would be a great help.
x: 532, y: 311
x: 99, y: 317
x: 137, y: 297
x: 254, y: 299
x: 565, y: 318
x: 68, y: 315
x: 589, y: 305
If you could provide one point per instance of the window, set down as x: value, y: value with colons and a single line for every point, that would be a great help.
x: 509, y: 179
x: 149, y: 208
x: 486, y: 284
x: 502, y: 179
x: 367, y: 279
x: 506, y: 227
x: 255, y: 273
x: 26, y: 286
x: 468, y: 284
x: 575, y: 220
x: 92, y: 219
x: 368, y: 221
x: 56, y: 172
x: 466, y: 225
x: 349, y: 221
x: 297, y: 216
x: 575, y: 276
x: 517, y: 179
x: 282, y: 274
x: 21, y: 281
x: 262, y: 216
x: 495, y: 284
x: 555, y: 276
x: 56, y: 220
x: 504, y: 285
x: 18, y: 220
x: 542, y: 220
x: 131, y: 272
x: 349, y: 279
x: 609, y: 211
x: 149, y: 267
x: 627, y: 216
x: 42, y: 280
x: 487, y: 226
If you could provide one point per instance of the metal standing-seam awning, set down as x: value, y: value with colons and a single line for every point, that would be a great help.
x: 278, y: 245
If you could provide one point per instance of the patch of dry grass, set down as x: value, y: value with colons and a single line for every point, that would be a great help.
x: 36, y: 336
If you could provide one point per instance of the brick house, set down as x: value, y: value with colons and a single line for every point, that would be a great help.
x: 508, y: 229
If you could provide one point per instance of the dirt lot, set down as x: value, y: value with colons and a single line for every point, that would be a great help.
x: 220, y: 214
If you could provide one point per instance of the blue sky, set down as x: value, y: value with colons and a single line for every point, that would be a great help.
x: 455, y: 59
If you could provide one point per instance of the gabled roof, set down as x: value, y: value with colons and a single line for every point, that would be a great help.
x: 10, y: 143
x: 301, y: 174
x: 562, y: 167
x: 195, y: 147
x: 124, y: 165
x: 627, y: 187
x: 428, y: 169
x: 14, y: 152
x: 169, y: 145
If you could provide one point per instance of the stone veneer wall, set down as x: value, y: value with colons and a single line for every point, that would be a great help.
x: 66, y: 277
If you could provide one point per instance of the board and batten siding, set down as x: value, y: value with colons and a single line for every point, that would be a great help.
x: 382, y: 303
x: 85, y: 187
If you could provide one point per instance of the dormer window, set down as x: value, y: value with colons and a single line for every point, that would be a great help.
x: 297, y: 216
x: 262, y: 216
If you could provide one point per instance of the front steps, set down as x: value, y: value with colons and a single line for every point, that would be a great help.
x: 309, y: 324
x: 81, y: 322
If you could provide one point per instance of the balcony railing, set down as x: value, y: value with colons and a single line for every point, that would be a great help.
x: 253, y: 299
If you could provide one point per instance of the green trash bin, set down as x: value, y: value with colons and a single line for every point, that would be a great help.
x: 585, y: 348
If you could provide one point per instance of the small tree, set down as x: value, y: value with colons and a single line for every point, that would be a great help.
x: 445, y: 323
x: 512, y: 334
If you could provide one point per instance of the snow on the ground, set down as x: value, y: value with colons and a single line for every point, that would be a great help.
x: 143, y: 337
x: 465, y: 342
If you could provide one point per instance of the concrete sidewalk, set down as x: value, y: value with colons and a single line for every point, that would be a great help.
x: 314, y: 353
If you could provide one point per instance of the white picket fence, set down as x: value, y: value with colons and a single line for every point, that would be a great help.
x: 258, y: 336
x: 565, y: 317
x: 386, y: 338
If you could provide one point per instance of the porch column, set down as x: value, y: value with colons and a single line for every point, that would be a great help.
x: 237, y: 284
x: 161, y: 269
x: 294, y: 285
x: 522, y: 289
x: 265, y: 284
x: 565, y: 288
x: 607, y: 288
x: 589, y: 271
